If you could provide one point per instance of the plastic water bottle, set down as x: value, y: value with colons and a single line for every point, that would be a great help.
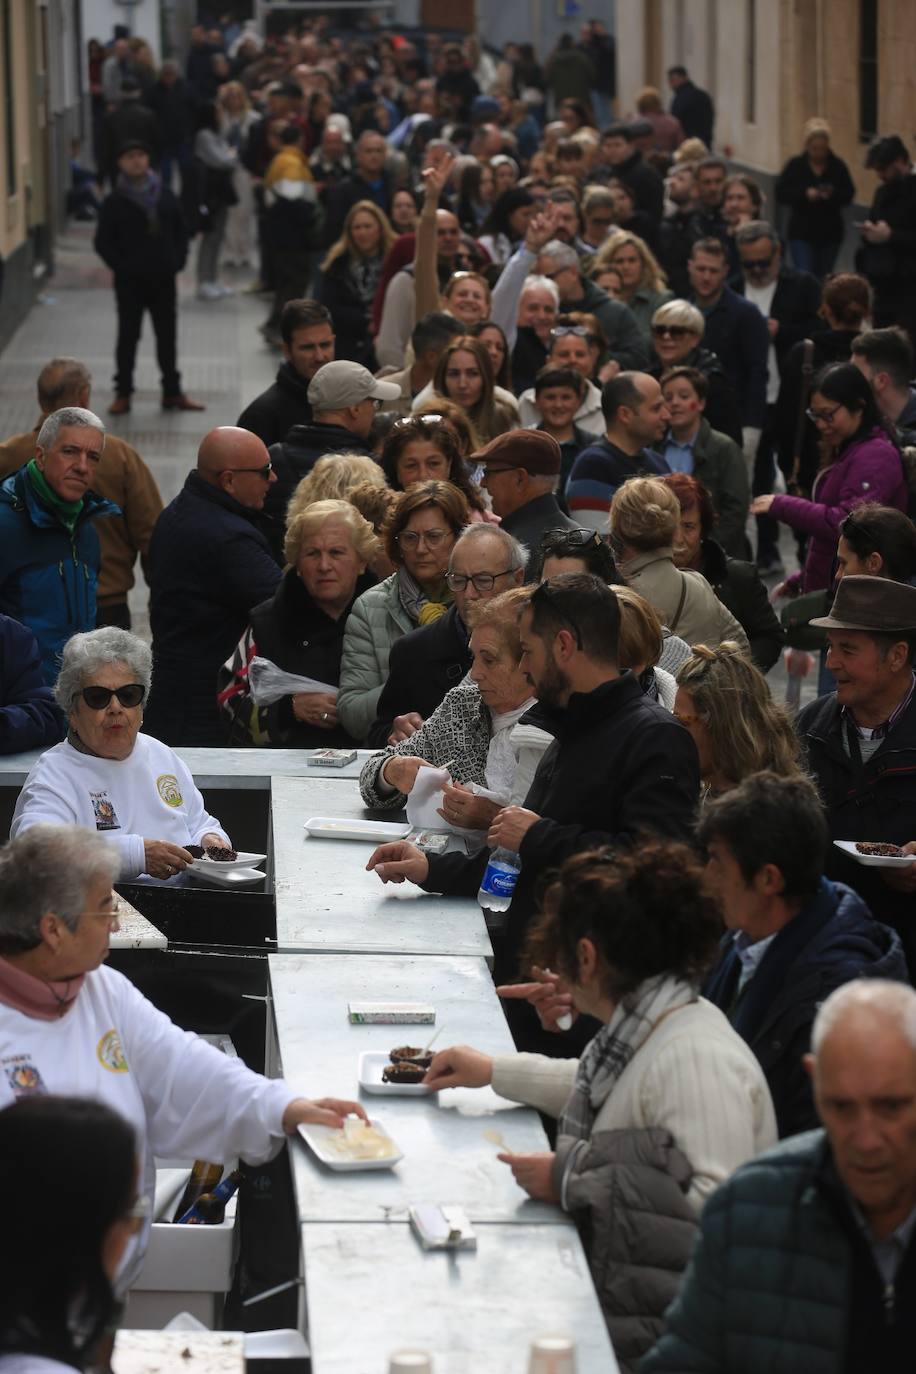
x: 498, y: 883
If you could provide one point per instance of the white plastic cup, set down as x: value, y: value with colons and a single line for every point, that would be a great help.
x: 410, y: 1362
x: 552, y: 1355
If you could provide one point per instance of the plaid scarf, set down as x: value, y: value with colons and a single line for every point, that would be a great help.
x: 422, y: 608
x: 606, y: 1057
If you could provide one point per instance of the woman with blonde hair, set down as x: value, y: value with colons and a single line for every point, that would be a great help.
x: 640, y: 646
x: 300, y: 630
x: 644, y: 286
x: 332, y: 479
x: 725, y: 703
x: 816, y: 186
x: 644, y: 522
x: 350, y: 276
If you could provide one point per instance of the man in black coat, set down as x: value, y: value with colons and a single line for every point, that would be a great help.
x: 887, y: 256
x: 209, y: 564
x: 520, y: 472
x: 369, y: 181
x: 620, y: 767
x: 308, y: 343
x: 692, y: 106
x: 793, y: 936
x: 142, y: 236
x: 860, y: 741
x: 427, y: 662
x: 622, y: 159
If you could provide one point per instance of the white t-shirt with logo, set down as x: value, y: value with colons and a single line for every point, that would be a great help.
x: 150, y: 795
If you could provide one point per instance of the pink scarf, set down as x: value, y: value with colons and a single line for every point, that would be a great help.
x: 44, y: 1001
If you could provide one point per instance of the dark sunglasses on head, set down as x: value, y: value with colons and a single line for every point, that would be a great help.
x: 670, y: 331
x: 561, y: 330
x: 97, y: 698
x: 428, y: 417
x: 569, y: 539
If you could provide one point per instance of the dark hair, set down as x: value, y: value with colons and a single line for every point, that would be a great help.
x: 302, y: 314
x: 405, y: 430
x: 619, y: 129
x: 750, y: 185
x: 767, y: 819
x: 848, y: 298
x: 884, y: 150
x: 645, y: 910
x: 582, y: 111
x: 677, y: 71
x: 497, y: 221
x: 468, y: 190
x: 845, y: 385
x: 697, y: 379
x: 620, y: 391
x: 444, y: 495
x: 503, y: 377
x: 570, y: 148
x: 595, y: 554
x: 714, y: 247
x: 711, y: 161
x: 583, y: 603
x: 434, y: 330
x: 56, y: 1299
x: 559, y: 376
x: 871, y: 528
x: 886, y: 350
x: 692, y: 495
x: 206, y: 116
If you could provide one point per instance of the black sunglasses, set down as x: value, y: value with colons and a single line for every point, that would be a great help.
x: 569, y: 539
x: 97, y: 698
x: 671, y: 331
x: 264, y: 471
x: 758, y: 264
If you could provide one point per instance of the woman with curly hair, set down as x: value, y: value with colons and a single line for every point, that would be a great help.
x: 666, y: 1100
x: 351, y: 272
x: 332, y: 479
x: 725, y: 703
x: 644, y: 286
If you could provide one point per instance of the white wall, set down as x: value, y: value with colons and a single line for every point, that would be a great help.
x: 100, y: 17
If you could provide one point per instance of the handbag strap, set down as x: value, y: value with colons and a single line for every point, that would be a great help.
x: 680, y: 605
x: 807, y: 374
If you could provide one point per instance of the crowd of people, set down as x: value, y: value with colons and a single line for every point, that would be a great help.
x: 551, y: 381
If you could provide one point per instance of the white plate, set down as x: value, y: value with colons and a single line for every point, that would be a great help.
x: 874, y: 860
x: 230, y: 876
x: 328, y: 828
x: 317, y: 1138
x: 227, y: 865
x: 370, y: 1078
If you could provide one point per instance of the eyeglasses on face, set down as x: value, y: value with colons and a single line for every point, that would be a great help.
x: 483, y: 582
x: 410, y: 539
x: 670, y: 331
x: 822, y: 417
x: 97, y: 698
x: 263, y: 472
x: 569, y: 539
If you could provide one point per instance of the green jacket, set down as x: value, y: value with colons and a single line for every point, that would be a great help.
x: 375, y: 622
x: 768, y: 1285
x: 719, y: 464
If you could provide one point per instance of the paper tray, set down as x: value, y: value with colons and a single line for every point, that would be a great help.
x: 329, y: 828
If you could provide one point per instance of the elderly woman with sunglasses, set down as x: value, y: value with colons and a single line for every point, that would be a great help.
x: 109, y: 777
x: 677, y: 336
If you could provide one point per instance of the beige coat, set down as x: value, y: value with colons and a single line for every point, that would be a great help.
x: 684, y: 600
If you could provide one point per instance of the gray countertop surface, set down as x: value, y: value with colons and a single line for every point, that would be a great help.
x: 233, y: 769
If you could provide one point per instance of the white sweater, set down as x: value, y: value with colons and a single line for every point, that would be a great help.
x: 694, y: 1077
x: 185, y: 1099
x: 150, y: 795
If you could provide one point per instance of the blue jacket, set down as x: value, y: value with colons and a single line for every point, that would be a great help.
x: 29, y: 717
x: 48, y: 576
x: 832, y: 940
x: 737, y: 333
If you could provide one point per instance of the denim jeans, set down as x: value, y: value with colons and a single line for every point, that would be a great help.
x: 816, y: 258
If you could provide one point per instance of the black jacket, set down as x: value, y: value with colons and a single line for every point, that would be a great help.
x: 173, y: 105
x: 694, y: 108
x: 342, y: 197
x: 676, y: 237
x: 424, y: 665
x: 133, y: 245
x: 737, y: 333
x: 350, y: 316
x: 878, y: 804
x: 619, y: 766
x: 294, y: 459
x: 531, y: 522
x: 891, y: 266
x: 831, y: 941
x: 645, y: 183
x: 739, y: 587
x: 722, y: 409
x: 815, y: 221
x: 29, y: 716
x: 796, y: 301
x: 296, y: 635
x: 128, y: 121
x: 209, y: 563
x: 272, y: 415
x: 528, y: 357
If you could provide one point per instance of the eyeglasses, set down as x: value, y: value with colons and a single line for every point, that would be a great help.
x: 757, y: 264
x: 560, y: 331
x: 483, y: 582
x: 822, y: 417
x: 552, y: 276
x: 670, y: 331
x: 264, y: 471
x: 97, y: 698
x: 569, y: 539
x: 544, y: 592
x: 428, y: 417
x: 410, y: 539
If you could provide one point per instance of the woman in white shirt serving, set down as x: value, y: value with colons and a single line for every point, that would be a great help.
x: 105, y: 775
x: 70, y: 1025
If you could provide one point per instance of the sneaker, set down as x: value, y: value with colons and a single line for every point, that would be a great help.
x: 209, y: 291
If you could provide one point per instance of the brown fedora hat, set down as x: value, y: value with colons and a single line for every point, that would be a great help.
x: 873, y: 604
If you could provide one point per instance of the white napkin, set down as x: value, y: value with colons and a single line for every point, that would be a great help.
x: 425, y: 799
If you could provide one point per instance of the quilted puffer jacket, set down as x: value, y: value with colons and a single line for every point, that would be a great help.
x: 377, y: 619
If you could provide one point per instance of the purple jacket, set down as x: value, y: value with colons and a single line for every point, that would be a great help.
x: 869, y: 470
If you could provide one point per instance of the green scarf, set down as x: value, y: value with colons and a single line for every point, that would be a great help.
x: 66, y: 511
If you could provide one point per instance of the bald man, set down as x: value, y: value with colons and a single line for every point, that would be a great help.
x: 806, y: 1259
x: 209, y: 563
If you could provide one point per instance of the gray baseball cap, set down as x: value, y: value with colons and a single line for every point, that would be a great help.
x: 340, y: 384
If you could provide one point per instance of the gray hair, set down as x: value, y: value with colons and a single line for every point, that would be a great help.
x: 446, y: 145
x: 516, y: 553
x: 84, y: 654
x: 49, y: 868
x: 881, y: 998
x: 756, y: 229
x: 60, y: 381
x: 683, y: 314
x: 68, y: 415
x: 538, y: 283
x: 561, y: 253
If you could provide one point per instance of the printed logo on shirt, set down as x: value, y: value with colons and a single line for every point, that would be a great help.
x: 110, y: 1054
x: 23, y: 1077
x: 105, y: 815
x: 168, y: 789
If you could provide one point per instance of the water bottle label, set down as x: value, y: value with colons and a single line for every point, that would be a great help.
x: 500, y: 880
